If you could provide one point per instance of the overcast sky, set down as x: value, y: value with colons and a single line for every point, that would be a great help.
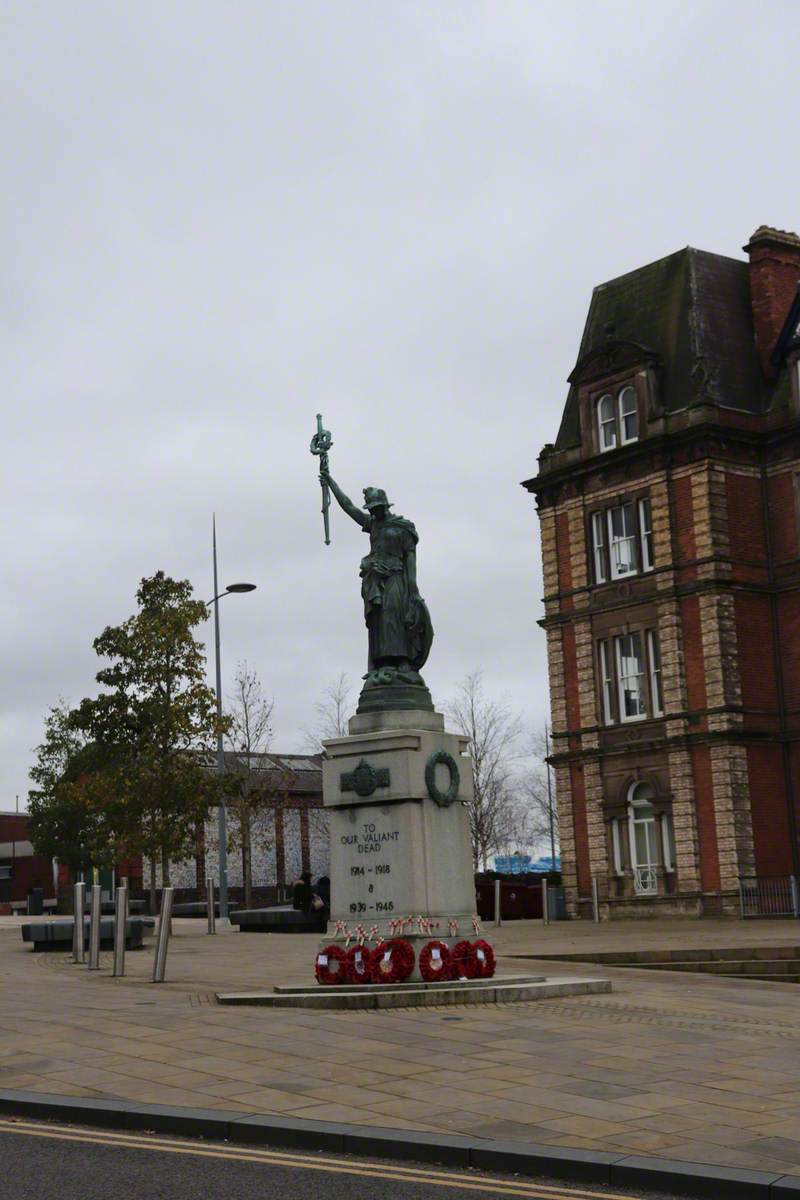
x: 220, y: 218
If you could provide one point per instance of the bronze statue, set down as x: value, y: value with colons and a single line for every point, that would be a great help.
x: 397, y: 618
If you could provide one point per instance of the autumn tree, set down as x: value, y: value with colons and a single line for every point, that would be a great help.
x: 494, y: 733
x: 153, y: 725
x: 64, y: 820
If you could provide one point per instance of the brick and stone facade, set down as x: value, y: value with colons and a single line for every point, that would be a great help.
x: 670, y: 535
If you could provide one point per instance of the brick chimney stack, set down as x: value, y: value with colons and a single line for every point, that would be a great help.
x: 774, y: 276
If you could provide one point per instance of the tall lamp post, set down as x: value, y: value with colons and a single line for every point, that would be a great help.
x: 222, y: 816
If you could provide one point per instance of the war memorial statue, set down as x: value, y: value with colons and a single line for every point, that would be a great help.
x: 395, y: 788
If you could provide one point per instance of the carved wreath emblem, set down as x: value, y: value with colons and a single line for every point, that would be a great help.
x: 364, y: 779
x: 444, y: 799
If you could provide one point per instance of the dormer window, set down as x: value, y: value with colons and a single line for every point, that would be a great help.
x: 607, y: 416
x: 628, y: 416
x: 617, y: 419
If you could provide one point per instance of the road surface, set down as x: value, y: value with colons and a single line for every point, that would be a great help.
x: 40, y: 1161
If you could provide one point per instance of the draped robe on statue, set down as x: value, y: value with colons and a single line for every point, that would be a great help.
x: 397, y: 618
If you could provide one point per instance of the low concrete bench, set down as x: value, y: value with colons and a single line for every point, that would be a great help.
x: 193, y: 908
x: 57, y: 934
x: 280, y: 919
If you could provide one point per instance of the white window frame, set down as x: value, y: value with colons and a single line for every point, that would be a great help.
x: 606, y: 683
x: 646, y: 533
x: 602, y: 422
x: 599, y: 547
x: 645, y: 875
x: 628, y: 539
x: 624, y: 440
x: 668, y: 843
x: 616, y: 848
x: 640, y: 676
x: 656, y: 674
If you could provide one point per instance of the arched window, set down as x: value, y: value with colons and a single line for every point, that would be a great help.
x: 607, y: 422
x: 628, y: 416
x: 617, y: 419
x: 643, y: 838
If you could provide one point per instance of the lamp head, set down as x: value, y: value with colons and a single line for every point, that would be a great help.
x: 240, y: 587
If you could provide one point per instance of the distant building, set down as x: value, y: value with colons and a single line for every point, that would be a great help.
x: 546, y: 863
x: 512, y: 864
x: 21, y: 869
x: 289, y: 835
x: 669, y: 510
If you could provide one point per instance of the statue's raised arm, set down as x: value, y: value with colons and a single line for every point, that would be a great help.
x: 398, y: 623
x: 345, y: 503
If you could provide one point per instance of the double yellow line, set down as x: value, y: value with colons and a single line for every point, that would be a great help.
x: 307, y: 1162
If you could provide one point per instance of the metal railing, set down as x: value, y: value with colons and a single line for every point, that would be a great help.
x: 769, y: 896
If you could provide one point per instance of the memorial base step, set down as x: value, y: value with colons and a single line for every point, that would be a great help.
x: 499, y: 990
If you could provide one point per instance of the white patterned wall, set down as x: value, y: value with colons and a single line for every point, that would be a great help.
x: 319, y: 843
x: 183, y: 875
x: 293, y: 849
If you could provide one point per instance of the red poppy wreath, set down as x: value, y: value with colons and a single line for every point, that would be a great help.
x: 484, y: 959
x: 331, y: 965
x: 465, y: 963
x: 359, y: 964
x: 435, y: 962
x: 392, y: 961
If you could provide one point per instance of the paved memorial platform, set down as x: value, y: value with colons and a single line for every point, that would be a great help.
x: 499, y: 989
x: 682, y: 1066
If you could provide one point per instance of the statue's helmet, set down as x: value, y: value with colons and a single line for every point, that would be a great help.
x: 375, y: 498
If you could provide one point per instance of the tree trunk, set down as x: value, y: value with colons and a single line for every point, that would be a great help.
x: 152, y: 904
x: 247, y: 860
x: 164, y: 869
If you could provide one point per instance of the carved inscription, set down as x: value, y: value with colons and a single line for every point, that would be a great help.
x: 370, y: 853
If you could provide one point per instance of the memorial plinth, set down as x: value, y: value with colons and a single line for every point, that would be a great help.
x: 395, y: 790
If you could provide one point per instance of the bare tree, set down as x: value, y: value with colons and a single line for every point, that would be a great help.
x: 540, y: 795
x: 332, y: 712
x: 532, y: 821
x: 494, y: 733
x: 250, y: 734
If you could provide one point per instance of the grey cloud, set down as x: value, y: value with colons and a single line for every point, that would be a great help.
x: 218, y: 219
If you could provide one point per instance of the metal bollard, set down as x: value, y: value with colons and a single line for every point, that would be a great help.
x: 78, y: 931
x: 545, y: 903
x: 595, y: 902
x: 212, y: 916
x: 498, y: 920
x: 120, y: 928
x: 164, y: 925
x: 94, y: 929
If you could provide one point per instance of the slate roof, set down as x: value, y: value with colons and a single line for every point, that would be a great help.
x: 692, y: 310
x: 298, y: 774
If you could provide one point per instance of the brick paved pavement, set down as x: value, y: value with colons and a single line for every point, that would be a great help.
x: 692, y: 1067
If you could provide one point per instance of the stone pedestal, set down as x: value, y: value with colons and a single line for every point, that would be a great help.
x: 400, y: 841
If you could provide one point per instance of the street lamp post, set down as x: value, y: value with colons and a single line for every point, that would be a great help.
x: 222, y: 817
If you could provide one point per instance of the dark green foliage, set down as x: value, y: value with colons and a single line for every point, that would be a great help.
x: 127, y: 772
x: 62, y: 823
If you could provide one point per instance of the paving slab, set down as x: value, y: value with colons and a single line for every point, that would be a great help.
x: 693, y: 1068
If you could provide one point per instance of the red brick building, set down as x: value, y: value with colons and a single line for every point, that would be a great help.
x: 670, y: 513
x: 21, y: 869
